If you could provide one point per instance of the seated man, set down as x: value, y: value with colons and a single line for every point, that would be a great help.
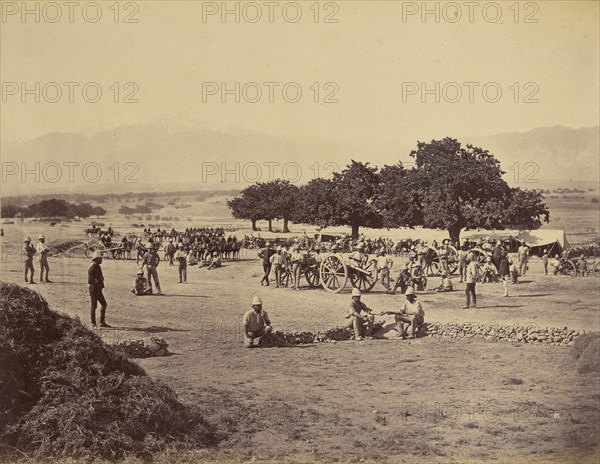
x: 410, y: 315
x: 446, y: 285
x: 215, y: 261
x: 404, y: 280
x: 490, y: 273
x: 360, y: 317
x: 256, y: 323
x: 419, y: 278
x: 140, y: 284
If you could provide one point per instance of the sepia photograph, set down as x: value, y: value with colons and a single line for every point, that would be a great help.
x: 299, y: 232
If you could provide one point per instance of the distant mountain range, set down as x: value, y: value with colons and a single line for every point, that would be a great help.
x: 189, y: 154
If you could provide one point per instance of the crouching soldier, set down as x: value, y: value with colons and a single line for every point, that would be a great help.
x: 490, y: 273
x: 410, y: 315
x: 256, y: 323
x: 215, y: 262
x: 140, y: 284
x: 360, y: 317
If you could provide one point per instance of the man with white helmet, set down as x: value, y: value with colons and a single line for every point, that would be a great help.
x: 359, y: 257
x: 96, y: 284
x: 411, y: 314
x: 42, y: 250
x: 28, y: 253
x: 151, y: 261
x: 384, y: 265
x: 182, y: 259
x: 140, y: 284
x: 277, y: 262
x: 360, y: 317
x: 256, y: 323
x: 215, y: 261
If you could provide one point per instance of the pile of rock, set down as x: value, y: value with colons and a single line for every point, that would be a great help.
x: 495, y: 332
x: 143, y: 348
x: 279, y: 338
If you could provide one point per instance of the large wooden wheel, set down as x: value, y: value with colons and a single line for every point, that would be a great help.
x: 367, y: 280
x: 333, y: 274
x: 286, y: 277
x: 432, y: 263
x: 313, y: 277
x: 452, y: 259
x: 568, y: 268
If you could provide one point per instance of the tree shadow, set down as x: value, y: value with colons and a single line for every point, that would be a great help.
x: 151, y: 329
x: 499, y: 306
x: 171, y: 295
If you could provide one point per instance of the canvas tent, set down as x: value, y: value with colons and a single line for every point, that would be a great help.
x: 555, y: 241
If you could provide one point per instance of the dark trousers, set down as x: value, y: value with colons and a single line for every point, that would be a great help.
x: 182, y: 272
x: 29, y: 267
x: 267, y: 271
x: 97, y: 297
x: 470, y: 291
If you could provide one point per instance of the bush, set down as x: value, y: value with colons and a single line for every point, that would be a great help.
x: 595, y: 200
x: 582, y: 342
x: 589, y: 360
x: 65, y: 393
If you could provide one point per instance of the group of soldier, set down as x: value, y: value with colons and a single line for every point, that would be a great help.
x: 29, y: 252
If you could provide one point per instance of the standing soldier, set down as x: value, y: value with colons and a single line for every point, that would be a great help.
x: 384, y: 265
x: 278, y: 261
x: 422, y: 254
x: 42, y: 251
x: 181, y: 256
x: 471, y: 278
x: 152, y: 260
x: 545, y: 261
x: 29, y: 252
x: 266, y: 257
x: 462, y: 261
x: 297, y: 260
x: 523, y: 254
x: 96, y: 284
x: 170, y: 252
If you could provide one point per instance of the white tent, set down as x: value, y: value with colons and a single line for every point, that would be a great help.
x: 554, y: 240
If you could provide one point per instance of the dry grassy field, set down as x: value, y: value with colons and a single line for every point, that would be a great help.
x: 423, y: 400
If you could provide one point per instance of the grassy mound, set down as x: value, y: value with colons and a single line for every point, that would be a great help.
x: 581, y: 343
x: 63, y: 392
x: 589, y: 361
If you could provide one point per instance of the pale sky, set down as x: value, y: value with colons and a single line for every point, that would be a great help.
x: 369, y: 53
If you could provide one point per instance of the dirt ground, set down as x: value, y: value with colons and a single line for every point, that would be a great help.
x: 425, y: 400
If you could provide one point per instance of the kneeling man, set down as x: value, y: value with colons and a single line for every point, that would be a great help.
x: 256, y: 323
x: 360, y: 317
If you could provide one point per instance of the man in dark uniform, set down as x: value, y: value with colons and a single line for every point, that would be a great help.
x: 29, y: 251
x: 96, y: 283
x: 266, y: 257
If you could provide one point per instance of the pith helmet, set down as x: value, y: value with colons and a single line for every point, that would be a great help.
x: 256, y: 301
x: 355, y: 292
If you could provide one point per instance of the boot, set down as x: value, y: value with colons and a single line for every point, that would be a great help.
x: 102, y: 318
x: 93, y: 317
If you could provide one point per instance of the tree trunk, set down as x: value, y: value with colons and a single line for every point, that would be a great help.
x: 286, y: 229
x: 270, y: 225
x: 454, y: 232
x: 253, y: 225
x: 355, y: 231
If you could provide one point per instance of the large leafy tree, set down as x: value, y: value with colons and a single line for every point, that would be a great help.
x: 283, y: 198
x: 248, y: 205
x: 454, y: 187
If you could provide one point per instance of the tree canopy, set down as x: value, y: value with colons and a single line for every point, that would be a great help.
x: 450, y: 187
